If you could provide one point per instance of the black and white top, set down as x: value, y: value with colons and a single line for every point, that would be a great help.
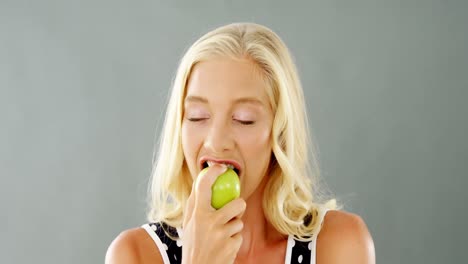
x: 171, y: 250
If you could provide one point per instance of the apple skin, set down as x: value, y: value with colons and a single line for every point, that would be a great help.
x: 225, y: 189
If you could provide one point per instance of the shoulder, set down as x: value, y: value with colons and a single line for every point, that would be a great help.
x: 133, y: 246
x: 344, y: 238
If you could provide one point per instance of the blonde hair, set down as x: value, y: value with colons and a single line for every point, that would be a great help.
x: 290, y: 200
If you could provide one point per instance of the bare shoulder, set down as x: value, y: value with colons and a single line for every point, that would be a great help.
x: 344, y: 238
x: 133, y: 246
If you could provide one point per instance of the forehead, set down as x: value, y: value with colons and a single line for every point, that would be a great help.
x: 222, y: 78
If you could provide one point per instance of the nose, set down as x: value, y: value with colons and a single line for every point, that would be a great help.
x: 219, y: 137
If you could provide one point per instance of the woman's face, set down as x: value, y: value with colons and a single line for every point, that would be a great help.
x: 228, y: 118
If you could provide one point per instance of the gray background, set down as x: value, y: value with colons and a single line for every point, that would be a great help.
x: 83, y: 84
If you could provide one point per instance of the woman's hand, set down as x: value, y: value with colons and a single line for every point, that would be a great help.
x: 209, y: 235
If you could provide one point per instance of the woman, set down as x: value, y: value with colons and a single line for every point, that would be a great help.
x: 237, y: 101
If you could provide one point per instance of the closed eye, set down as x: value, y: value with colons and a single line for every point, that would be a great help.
x: 196, y: 119
x: 246, y: 122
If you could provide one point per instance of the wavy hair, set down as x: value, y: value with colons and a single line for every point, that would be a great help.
x: 292, y: 197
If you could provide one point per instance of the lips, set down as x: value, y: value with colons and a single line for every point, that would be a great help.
x: 208, y: 161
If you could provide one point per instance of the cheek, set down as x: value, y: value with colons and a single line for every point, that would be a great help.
x: 256, y: 152
x: 257, y: 144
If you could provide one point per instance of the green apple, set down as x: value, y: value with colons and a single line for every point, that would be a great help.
x: 225, y: 189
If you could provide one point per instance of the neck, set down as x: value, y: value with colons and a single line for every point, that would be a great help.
x: 257, y: 234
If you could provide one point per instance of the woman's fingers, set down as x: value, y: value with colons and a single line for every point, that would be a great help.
x: 209, y: 234
x: 237, y: 242
x: 234, y: 227
x: 233, y: 209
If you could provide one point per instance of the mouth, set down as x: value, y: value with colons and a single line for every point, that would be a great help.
x: 207, y: 162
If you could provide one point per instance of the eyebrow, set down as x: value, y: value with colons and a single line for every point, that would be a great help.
x: 250, y: 100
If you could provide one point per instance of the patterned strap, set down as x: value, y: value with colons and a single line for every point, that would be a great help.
x: 171, y: 250
x: 300, y: 252
x: 304, y: 252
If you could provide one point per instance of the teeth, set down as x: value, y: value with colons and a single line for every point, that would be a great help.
x: 230, y: 166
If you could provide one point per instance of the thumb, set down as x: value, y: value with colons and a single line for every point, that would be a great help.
x: 204, y: 182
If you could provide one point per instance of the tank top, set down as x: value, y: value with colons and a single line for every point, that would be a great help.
x: 171, y: 250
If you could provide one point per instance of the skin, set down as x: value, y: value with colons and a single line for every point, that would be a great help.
x: 218, y: 125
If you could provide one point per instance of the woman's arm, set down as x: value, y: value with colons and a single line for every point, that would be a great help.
x: 133, y: 246
x: 345, y: 238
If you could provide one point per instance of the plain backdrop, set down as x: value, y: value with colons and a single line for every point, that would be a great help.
x: 83, y: 87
